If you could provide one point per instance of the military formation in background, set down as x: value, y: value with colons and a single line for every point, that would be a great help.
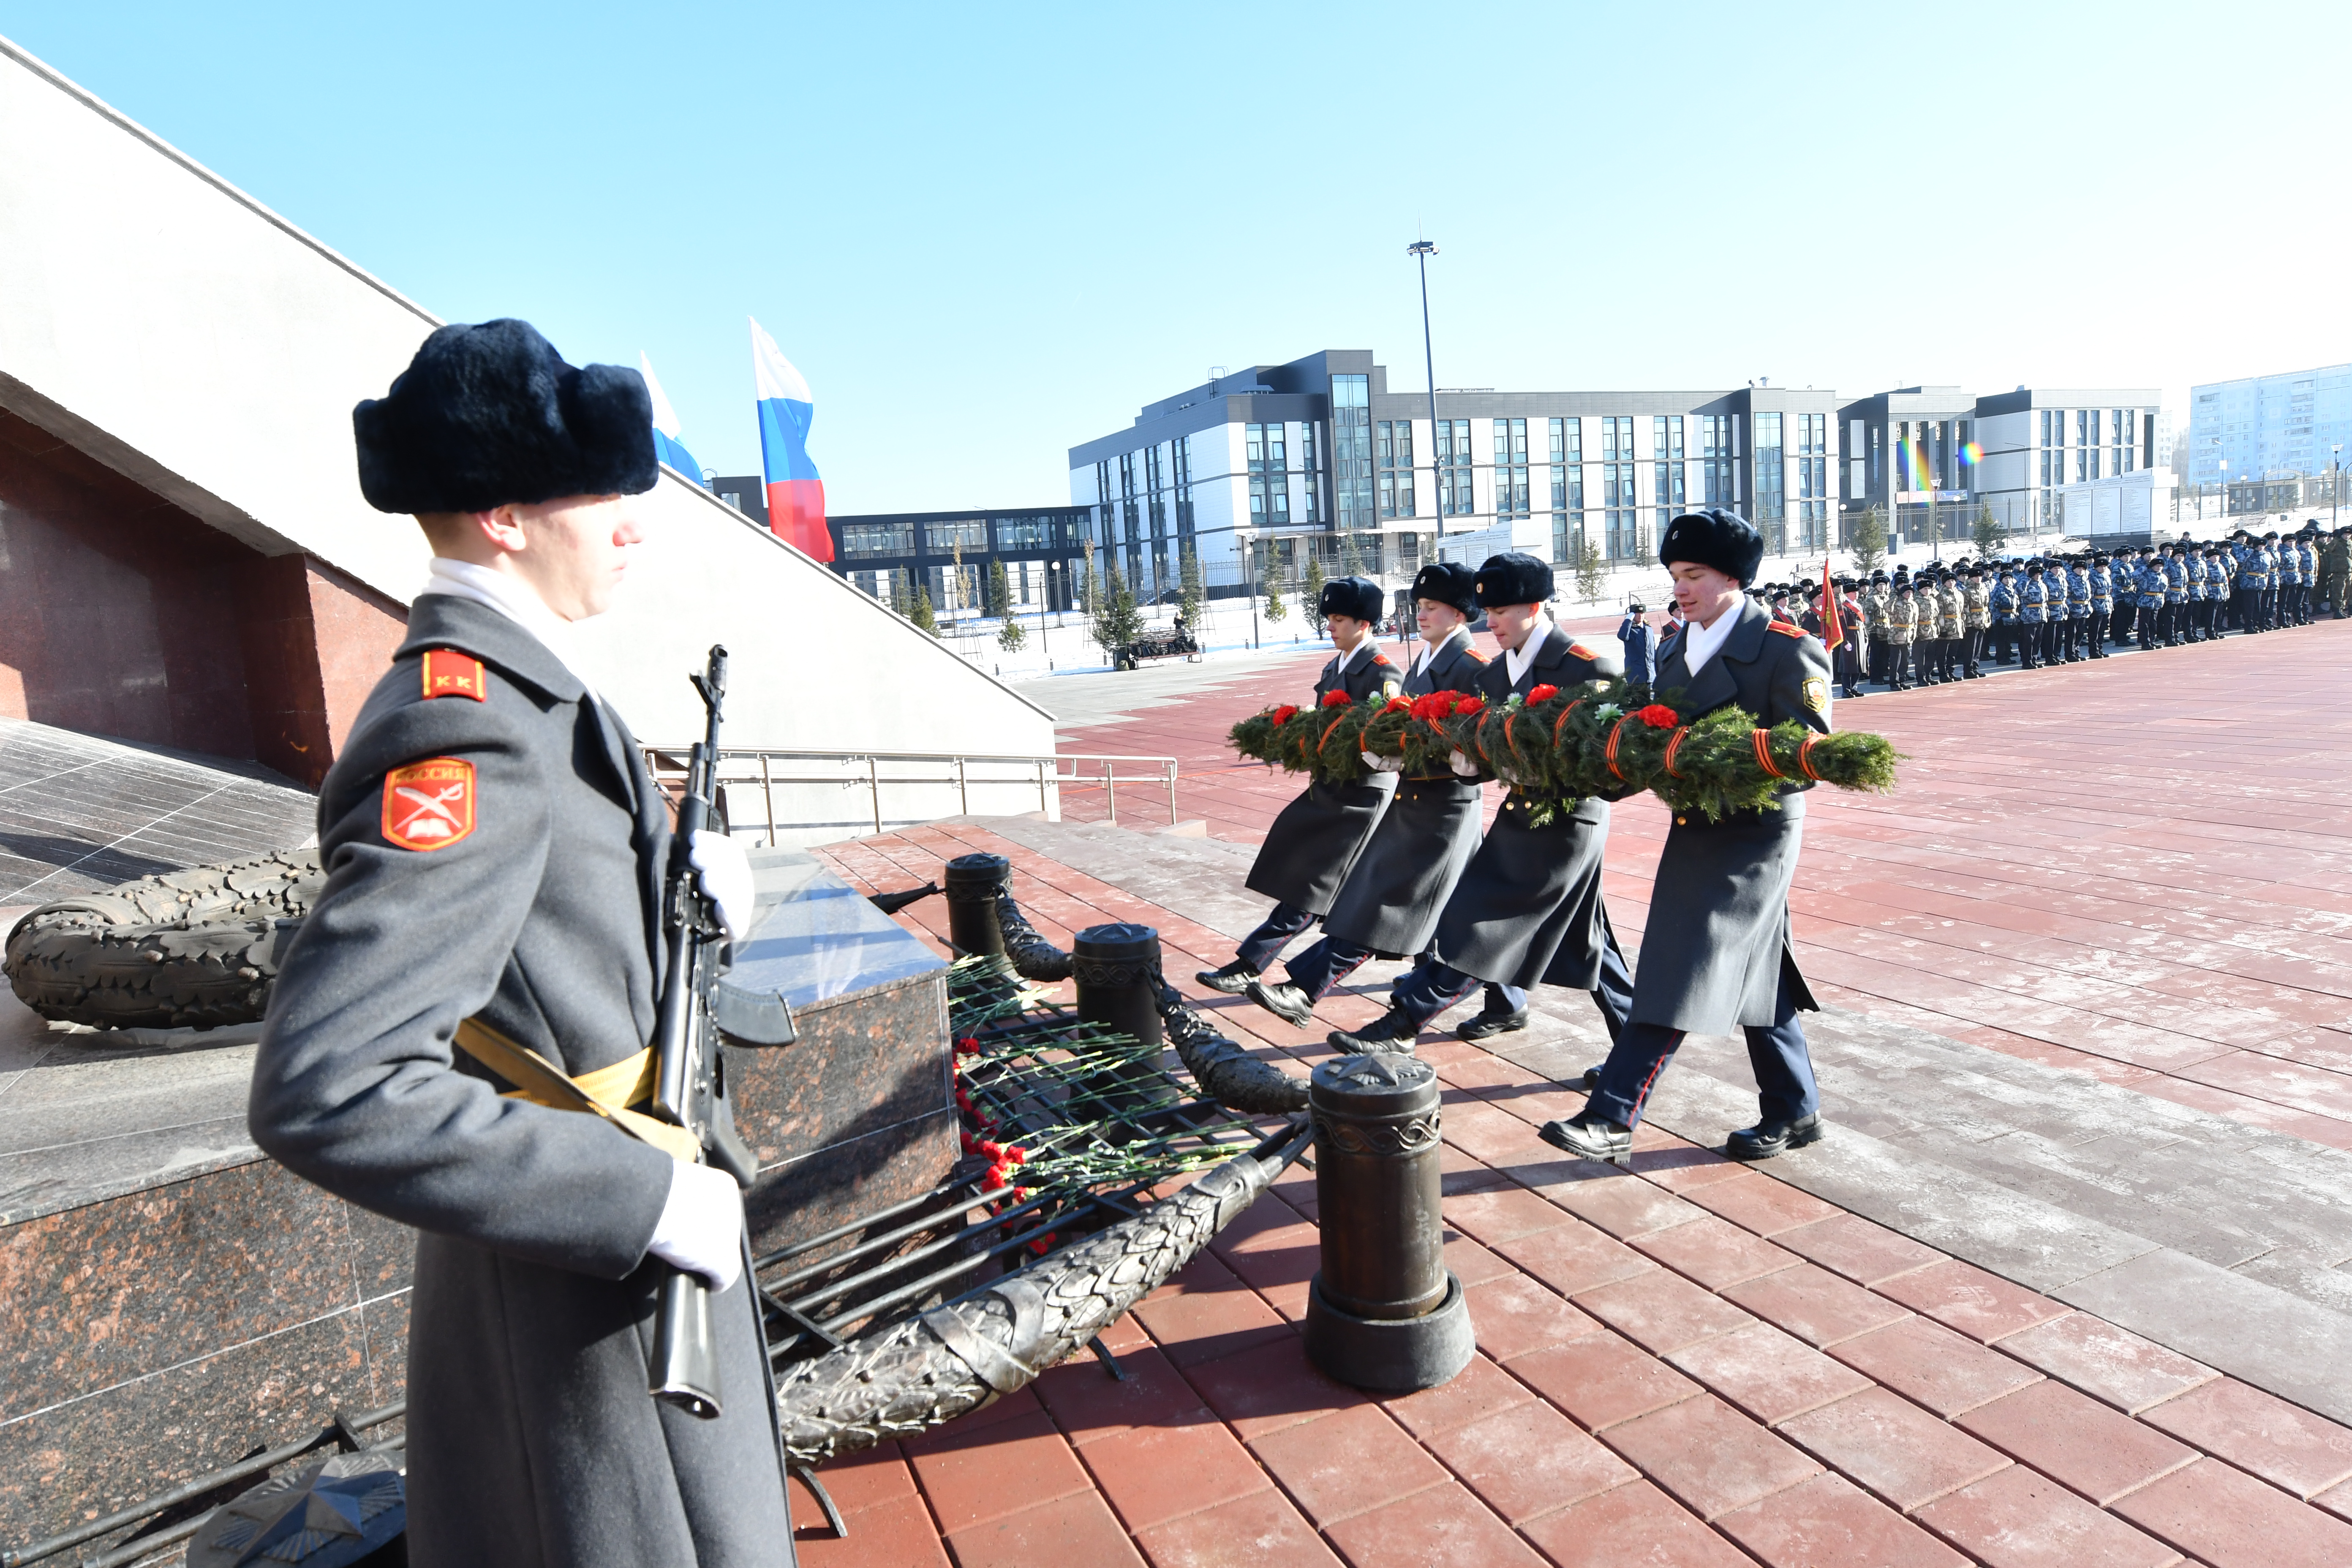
x: 1948, y: 622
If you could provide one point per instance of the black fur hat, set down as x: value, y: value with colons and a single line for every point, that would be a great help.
x: 1514, y: 577
x: 1448, y: 582
x: 490, y: 415
x: 1358, y: 597
x: 1717, y: 537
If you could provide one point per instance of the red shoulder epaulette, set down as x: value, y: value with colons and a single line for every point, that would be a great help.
x: 1481, y: 657
x: 448, y: 673
x: 1786, y: 630
x: 1382, y: 659
x: 1582, y: 652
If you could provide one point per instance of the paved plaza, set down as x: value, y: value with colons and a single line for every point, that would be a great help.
x: 2066, y: 1286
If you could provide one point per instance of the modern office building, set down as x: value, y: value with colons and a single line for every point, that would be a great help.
x: 1908, y: 453
x: 948, y: 555
x: 2032, y: 445
x: 1317, y: 459
x: 2266, y: 427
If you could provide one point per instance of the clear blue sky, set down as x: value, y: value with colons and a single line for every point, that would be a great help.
x: 987, y: 233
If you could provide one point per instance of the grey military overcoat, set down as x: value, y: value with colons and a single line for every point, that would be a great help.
x: 1314, y: 843
x: 1398, y: 888
x: 500, y: 852
x: 1528, y: 908
x: 1717, y: 943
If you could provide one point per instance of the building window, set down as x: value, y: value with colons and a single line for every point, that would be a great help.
x: 1566, y: 487
x: 1771, y: 484
x: 1352, y: 451
x: 1156, y: 498
x: 1131, y: 518
x: 1714, y: 458
x: 1311, y: 471
x: 2086, y: 436
x: 1813, y: 480
x: 1181, y: 450
x: 1040, y: 533
x: 1393, y: 449
x: 1511, y: 497
x: 943, y: 538
x: 1106, y: 528
x: 1667, y: 487
x: 1621, y: 524
x: 878, y: 539
x: 1269, y: 482
x: 2119, y: 430
x: 1455, y: 498
x: 1857, y: 485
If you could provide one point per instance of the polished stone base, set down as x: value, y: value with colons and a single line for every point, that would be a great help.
x: 1390, y: 1355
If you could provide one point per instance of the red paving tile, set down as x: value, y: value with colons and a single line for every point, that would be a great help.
x: 1981, y: 1305
x: 1826, y: 1523
x: 1494, y: 1217
x: 2108, y: 1363
x: 1271, y: 1387
x: 1207, y: 1313
x: 2286, y: 1445
x: 2067, y: 1434
x: 899, y: 1533
x: 1633, y: 1526
x: 1714, y: 1252
x: 1933, y: 1366
x: 1256, y: 1531
x: 2229, y: 1520
x: 1893, y: 1447
x: 1513, y: 1315
x: 1152, y: 1474
x: 1479, y: 1390
x: 1443, y: 1527
x: 1662, y: 1312
x: 1528, y: 1460
x: 1862, y: 1252
x: 1602, y: 1380
x: 1088, y: 1403
x: 1709, y: 1457
x: 1817, y: 1307
x: 1346, y: 1463
x: 1624, y: 1206
x: 1574, y: 1258
x: 1770, y: 1374
x: 2016, y: 1518
x: 1077, y: 1529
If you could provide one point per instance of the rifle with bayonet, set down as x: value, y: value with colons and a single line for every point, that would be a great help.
x: 690, y: 1069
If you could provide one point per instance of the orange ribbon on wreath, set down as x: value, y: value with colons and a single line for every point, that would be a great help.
x: 1673, y: 746
x: 1763, y: 742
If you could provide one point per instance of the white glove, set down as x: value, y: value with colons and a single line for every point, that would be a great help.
x: 1380, y: 764
x: 701, y: 1225
x: 1463, y: 765
x: 725, y: 879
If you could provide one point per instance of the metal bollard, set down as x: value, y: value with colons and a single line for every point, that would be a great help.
x: 1383, y: 1312
x: 1118, y: 971
x: 971, y: 887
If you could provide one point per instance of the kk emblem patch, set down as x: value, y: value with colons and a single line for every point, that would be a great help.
x: 429, y: 805
x: 448, y: 673
x: 1816, y: 694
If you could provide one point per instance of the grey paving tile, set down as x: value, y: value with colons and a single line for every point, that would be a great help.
x: 2254, y: 1332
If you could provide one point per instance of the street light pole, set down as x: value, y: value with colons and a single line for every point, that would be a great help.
x: 2334, y: 482
x: 1420, y: 250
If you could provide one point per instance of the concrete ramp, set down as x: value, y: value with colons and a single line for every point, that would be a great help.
x: 167, y: 326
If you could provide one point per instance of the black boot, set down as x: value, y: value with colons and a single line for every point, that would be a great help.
x: 1233, y: 979
x: 1589, y: 1137
x: 1493, y: 1020
x: 1767, y: 1138
x: 1284, y: 1001
x: 1393, y: 1032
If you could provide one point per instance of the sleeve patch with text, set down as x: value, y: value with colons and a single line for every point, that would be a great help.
x: 429, y: 805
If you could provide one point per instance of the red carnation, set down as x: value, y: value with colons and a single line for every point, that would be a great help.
x: 1470, y: 705
x: 1398, y: 705
x: 1014, y: 1155
x: 967, y: 1045
x: 1658, y: 716
x: 1335, y: 700
x: 1542, y: 694
x: 1282, y: 714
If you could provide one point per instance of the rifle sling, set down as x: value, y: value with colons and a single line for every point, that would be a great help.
x: 608, y: 1092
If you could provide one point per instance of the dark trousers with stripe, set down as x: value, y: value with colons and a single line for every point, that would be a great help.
x: 1325, y: 965
x: 1263, y: 945
x: 1430, y: 987
x: 1784, y: 1069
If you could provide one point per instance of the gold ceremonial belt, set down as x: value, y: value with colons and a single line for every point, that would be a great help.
x: 608, y: 1092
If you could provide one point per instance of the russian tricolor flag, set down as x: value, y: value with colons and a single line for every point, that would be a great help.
x: 667, y: 447
x: 795, y: 494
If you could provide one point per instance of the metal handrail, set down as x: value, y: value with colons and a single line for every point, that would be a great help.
x: 758, y: 766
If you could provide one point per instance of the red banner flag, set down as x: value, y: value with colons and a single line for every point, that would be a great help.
x: 1833, y: 624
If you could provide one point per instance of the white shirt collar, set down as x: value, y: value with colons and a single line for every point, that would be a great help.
x: 1430, y: 650
x: 1701, y: 643
x: 1517, y: 660
x: 1363, y: 649
x: 518, y: 602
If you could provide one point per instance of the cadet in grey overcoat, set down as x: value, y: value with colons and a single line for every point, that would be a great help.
x: 1527, y: 908
x: 494, y: 849
x: 1314, y: 842
x: 1715, y: 954
x: 1390, y: 903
